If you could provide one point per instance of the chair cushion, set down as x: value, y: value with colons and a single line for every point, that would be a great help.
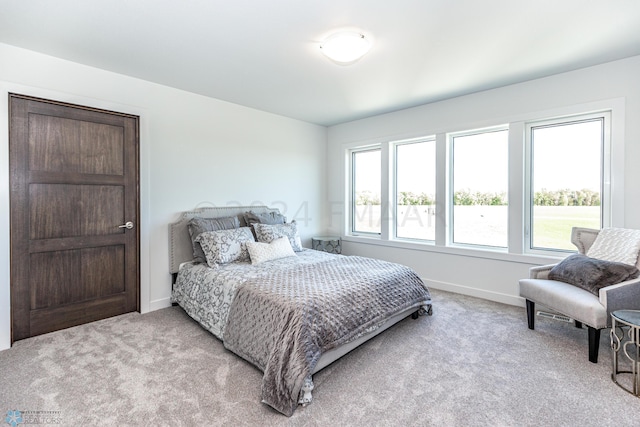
x: 567, y: 299
x: 591, y: 274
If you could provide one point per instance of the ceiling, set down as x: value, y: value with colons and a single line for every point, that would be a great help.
x: 265, y: 54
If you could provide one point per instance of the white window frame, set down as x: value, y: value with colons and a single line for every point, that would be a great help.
x: 517, y: 240
x: 394, y: 193
x: 352, y: 201
x: 451, y: 189
x: 606, y: 199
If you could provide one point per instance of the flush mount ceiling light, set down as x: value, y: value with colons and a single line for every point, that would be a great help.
x: 345, y: 47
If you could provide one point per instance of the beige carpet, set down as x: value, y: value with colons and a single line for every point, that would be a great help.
x: 473, y: 363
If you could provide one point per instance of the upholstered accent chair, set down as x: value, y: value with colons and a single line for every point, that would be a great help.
x: 574, y: 302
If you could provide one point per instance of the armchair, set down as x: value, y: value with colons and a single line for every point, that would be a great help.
x: 576, y: 303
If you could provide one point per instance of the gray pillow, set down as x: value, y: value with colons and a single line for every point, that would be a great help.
x: 591, y: 274
x: 198, y: 226
x: 267, y: 233
x: 225, y: 246
x: 264, y: 218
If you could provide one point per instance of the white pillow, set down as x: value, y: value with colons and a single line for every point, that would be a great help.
x: 260, y: 252
x: 616, y: 245
x: 224, y: 246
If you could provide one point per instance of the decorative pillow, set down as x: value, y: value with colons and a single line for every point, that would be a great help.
x: 224, y: 246
x: 267, y: 233
x: 592, y: 274
x: 198, y: 226
x: 617, y: 245
x: 260, y: 252
x: 264, y: 218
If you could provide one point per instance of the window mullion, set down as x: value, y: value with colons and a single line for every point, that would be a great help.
x: 517, y: 196
x: 386, y: 197
x: 443, y: 205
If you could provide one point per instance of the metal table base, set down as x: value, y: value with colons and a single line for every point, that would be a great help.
x: 625, y: 341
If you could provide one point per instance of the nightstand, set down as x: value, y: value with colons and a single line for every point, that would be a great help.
x: 329, y: 244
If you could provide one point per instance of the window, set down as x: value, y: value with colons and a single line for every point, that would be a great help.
x: 366, y: 191
x: 566, y: 178
x: 515, y: 187
x: 415, y: 168
x: 480, y: 186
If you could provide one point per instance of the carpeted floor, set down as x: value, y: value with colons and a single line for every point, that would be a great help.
x: 473, y: 363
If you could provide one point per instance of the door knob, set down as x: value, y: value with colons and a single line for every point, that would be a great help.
x: 128, y: 225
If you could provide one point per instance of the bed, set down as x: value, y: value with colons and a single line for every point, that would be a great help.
x: 288, y: 310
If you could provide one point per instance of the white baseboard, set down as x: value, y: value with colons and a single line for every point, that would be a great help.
x: 475, y: 292
x: 159, y: 303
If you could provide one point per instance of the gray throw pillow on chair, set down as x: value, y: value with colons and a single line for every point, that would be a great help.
x: 592, y: 274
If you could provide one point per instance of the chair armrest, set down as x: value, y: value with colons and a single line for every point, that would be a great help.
x: 540, y: 272
x: 621, y: 296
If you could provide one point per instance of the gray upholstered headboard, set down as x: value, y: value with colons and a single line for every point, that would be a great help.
x: 180, y: 249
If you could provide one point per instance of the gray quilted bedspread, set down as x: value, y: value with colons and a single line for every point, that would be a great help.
x: 283, y: 321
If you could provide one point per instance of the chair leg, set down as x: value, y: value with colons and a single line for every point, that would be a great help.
x: 594, y: 344
x: 531, y: 313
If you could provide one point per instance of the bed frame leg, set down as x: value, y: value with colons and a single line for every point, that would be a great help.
x: 427, y: 309
x: 305, y: 392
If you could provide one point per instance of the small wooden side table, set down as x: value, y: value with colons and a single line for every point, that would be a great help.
x: 625, y: 341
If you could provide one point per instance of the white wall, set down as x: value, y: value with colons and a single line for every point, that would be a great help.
x: 194, y: 151
x: 481, y: 273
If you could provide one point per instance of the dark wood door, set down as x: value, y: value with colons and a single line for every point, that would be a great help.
x: 74, y: 181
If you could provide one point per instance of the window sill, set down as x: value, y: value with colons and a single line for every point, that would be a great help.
x: 486, y: 253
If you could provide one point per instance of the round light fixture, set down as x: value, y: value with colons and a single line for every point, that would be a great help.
x: 345, y: 47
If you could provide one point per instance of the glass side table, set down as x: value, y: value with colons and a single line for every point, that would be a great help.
x: 625, y: 341
x: 329, y: 244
